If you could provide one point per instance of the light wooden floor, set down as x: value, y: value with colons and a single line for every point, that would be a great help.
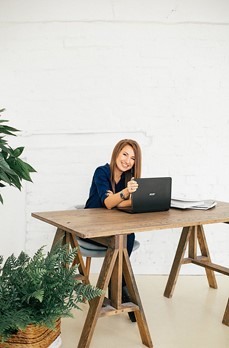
x: 190, y: 319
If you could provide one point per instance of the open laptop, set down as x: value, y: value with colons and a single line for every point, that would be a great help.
x: 153, y: 194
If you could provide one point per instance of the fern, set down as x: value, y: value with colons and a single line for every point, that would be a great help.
x: 40, y: 289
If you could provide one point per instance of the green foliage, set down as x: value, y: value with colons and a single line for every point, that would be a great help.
x: 40, y: 289
x: 12, y: 168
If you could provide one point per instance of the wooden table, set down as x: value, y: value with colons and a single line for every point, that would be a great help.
x: 111, y: 227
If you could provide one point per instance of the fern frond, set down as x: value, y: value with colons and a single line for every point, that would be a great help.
x: 87, y: 291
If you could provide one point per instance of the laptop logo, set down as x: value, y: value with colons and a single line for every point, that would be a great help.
x: 152, y: 193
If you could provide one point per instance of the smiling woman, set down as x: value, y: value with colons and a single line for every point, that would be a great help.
x: 113, y: 183
x: 112, y: 186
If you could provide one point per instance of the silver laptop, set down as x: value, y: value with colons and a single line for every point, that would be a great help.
x: 153, y: 194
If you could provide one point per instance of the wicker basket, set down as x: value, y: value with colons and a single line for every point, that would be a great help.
x: 33, y: 337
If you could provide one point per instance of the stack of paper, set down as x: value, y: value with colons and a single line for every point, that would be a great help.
x: 189, y: 204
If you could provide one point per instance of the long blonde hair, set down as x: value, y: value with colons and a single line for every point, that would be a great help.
x: 135, y: 171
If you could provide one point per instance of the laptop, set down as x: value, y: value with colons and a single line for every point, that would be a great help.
x: 153, y: 194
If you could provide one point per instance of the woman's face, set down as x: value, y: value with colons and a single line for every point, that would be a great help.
x: 125, y: 159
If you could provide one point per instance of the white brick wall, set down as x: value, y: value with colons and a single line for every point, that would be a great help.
x: 77, y: 76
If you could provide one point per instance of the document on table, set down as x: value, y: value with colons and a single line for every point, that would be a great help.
x: 190, y: 204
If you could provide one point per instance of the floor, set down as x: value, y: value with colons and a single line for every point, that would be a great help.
x: 192, y: 318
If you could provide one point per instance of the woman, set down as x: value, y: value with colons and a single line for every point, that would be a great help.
x: 113, y: 184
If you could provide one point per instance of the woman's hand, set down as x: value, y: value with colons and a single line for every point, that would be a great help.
x: 109, y: 193
x: 132, y: 186
x: 115, y: 199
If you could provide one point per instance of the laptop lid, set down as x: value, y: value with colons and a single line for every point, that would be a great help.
x: 153, y: 194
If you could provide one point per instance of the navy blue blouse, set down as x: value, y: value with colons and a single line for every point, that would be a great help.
x: 101, y: 182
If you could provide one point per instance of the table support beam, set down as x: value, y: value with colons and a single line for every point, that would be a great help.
x: 178, y: 260
x: 189, y: 237
x: 226, y: 315
x: 135, y: 298
x: 66, y: 238
x: 205, y: 252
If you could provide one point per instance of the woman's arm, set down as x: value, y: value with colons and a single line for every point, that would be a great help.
x: 115, y: 199
x: 122, y: 198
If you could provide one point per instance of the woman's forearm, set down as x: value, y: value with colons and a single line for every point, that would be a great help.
x: 115, y: 199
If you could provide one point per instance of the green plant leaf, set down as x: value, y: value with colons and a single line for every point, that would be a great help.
x: 13, y: 169
x: 18, y: 151
x: 29, y: 167
x: 19, y: 168
x: 2, y: 141
x: 4, y: 177
x: 15, y: 181
x: 8, y: 130
x: 38, y: 295
x: 24, y: 170
x: 5, y: 166
x: 6, y: 150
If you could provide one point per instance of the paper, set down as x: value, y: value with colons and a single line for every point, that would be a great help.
x: 208, y: 204
x: 190, y: 204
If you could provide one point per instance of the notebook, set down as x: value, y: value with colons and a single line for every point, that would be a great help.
x: 153, y: 194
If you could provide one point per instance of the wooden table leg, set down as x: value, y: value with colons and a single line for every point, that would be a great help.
x: 96, y: 303
x: 67, y: 238
x: 59, y: 237
x: 226, y: 315
x: 190, y: 235
x: 178, y: 261
x: 135, y: 298
x: 115, y: 263
x: 79, y: 260
x: 205, y: 253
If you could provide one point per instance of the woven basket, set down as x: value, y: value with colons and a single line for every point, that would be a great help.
x: 33, y: 337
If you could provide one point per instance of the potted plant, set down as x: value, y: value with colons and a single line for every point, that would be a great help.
x: 35, y: 292
x: 12, y: 168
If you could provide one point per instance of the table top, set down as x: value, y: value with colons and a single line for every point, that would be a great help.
x: 100, y: 222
